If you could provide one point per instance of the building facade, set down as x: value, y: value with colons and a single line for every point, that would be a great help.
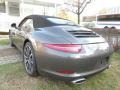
x: 11, y: 10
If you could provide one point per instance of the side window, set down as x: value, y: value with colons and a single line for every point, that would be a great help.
x: 27, y: 26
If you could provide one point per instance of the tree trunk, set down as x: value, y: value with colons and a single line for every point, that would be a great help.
x: 78, y: 13
x: 78, y: 18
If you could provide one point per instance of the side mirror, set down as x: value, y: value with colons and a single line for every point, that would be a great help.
x: 13, y: 25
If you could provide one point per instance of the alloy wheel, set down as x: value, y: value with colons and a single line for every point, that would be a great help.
x: 28, y: 58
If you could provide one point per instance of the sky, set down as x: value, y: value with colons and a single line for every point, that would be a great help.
x: 97, y: 5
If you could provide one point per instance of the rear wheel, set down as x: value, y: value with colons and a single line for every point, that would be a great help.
x: 29, y: 60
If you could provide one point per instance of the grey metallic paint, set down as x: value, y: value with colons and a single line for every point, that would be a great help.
x: 93, y: 58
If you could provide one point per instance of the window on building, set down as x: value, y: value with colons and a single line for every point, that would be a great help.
x: 2, y: 7
x: 14, y: 9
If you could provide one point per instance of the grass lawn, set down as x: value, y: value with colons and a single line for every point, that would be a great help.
x: 4, y: 41
x: 13, y: 77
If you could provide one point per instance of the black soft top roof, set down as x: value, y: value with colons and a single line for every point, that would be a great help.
x: 42, y: 21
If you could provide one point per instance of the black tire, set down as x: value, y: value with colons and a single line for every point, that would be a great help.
x: 106, y: 27
x: 113, y: 28
x: 29, y: 60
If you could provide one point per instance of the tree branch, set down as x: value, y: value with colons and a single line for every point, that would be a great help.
x: 82, y: 3
x: 75, y: 12
x: 84, y: 6
x: 80, y: 8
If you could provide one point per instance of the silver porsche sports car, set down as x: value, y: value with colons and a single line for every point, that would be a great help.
x: 59, y: 48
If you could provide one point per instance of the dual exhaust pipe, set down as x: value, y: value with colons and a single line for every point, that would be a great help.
x: 82, y: 80
x: 78, y: 81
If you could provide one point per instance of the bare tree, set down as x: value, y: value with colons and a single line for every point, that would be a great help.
x: 77, y: 7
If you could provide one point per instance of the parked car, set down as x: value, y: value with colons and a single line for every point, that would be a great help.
x: 59, y: 48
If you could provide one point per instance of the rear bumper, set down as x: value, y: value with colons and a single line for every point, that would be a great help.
x: 92, y: 59
x: 75, y: 75
x: 51, y: 62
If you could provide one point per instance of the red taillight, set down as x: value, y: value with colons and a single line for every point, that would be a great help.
x: 65, y: 47
x: 66, y: 71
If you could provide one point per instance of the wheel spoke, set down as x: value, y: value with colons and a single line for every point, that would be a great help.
x: 31, y: 62
x: 27, y: 66
x: 27, y: 51
x: 30, y: 66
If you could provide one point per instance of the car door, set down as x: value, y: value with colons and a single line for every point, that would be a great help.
x: 26, y: 28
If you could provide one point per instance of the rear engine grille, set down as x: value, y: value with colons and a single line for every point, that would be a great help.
x: 81, y: 33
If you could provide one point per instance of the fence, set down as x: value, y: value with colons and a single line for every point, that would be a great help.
x: 111, y: 35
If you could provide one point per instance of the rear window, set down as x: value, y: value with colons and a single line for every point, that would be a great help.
x: 51, y: 21
x: 59, y: 21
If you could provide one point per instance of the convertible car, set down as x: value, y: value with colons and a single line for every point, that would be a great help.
x: 59, y: 48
